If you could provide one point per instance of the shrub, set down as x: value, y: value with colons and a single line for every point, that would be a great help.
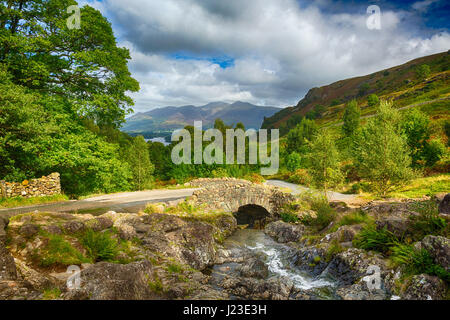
x: 428, y: 221
x: 369, y: 238
x: 325, y: 213
x: 100, y: 246
x: 254, y: 177
x: 373, y: 100
x: 301, y: 176
x: 423, y: 71
x: 359, y: 187
x: 289, y: 217
x: 417, y: 261
x: 294, y: 161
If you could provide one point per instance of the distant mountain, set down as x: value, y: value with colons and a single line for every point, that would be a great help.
x: 171, y: 118
x: 399, y: 84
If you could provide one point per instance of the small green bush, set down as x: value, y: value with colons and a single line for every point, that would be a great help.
x: 325, y: 213
x: 369, y: 238
x: 289, y: 217
x: 417, y: 261
x: 100, y: 246
x: 428, y: 222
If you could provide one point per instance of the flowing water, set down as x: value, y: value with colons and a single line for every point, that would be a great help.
x: 278, y: 258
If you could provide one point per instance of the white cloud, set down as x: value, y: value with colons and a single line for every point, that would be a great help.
x: 280, y: 49
x: 423, y: 5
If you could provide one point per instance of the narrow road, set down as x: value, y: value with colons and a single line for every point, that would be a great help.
x: 297, y: 189
x: 135, y: 201
x: 119, y: 202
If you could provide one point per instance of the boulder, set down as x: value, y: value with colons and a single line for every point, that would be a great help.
x: 254, y: 268
x: 195, y: 243
x: 439, y: 248
x: 343, y: 234
x: 100, y: 223
x: 284, y: 232
x: 52, y: 229
x: 72, y: 227
x: 7, y: 265
x: 425, y: 287
x: 108, y: 281
x: 257, y: 289
x: 311, y: 259
x: 350, y: 266
x: 399, y: 226
x: 359, y: 291
x: 29, y: 230
x: 17, y: 290
x: 444, y: 206
x: 4, y: 221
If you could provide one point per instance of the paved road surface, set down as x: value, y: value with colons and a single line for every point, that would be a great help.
x: 119, y: 202
x: 135, y: 201
x: 296, y: 189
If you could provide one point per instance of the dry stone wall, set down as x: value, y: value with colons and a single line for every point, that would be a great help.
x: 45, y: 186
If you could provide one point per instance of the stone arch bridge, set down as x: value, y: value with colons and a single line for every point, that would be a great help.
x: 249, y: 202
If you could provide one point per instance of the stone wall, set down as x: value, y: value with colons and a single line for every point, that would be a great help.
x: 230, y: 194
x: 45, y: 186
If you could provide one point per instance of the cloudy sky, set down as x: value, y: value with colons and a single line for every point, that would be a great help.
x: 267, y: 52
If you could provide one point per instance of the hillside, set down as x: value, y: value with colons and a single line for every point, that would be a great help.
x: 171, y: 118
x: 400, y: 84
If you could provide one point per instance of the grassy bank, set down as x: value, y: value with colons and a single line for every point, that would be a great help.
x: 22, y: 202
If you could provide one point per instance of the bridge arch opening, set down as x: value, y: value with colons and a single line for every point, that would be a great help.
x: 252, y: 215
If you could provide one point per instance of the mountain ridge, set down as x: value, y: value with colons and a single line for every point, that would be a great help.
x: 170, y: 118
x: 398, y: 83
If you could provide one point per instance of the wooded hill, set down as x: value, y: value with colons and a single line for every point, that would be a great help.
x: 423, y: 82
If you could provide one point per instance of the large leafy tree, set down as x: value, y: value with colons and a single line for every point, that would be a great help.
x: 37, y: 137
x: 324, y: 161
x: 297, y: 138
x: 417, y: 128
x: 352, y: 116
x: 83, y: 65
x: 139, y: 160
x: 381, y: 151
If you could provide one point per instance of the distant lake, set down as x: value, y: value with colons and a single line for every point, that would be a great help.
x: 159, y: 139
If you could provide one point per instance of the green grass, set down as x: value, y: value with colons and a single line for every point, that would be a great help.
x: 357, y: 217
x: 59, y: 251
x: 22, y: 202
x: 174, y: 267
x: 100, y: 246
x: 427, y: 186
x: 156, y: 285
x: 51, y: 294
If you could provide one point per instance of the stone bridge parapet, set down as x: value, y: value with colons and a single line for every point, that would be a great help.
x: 229, y: 194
